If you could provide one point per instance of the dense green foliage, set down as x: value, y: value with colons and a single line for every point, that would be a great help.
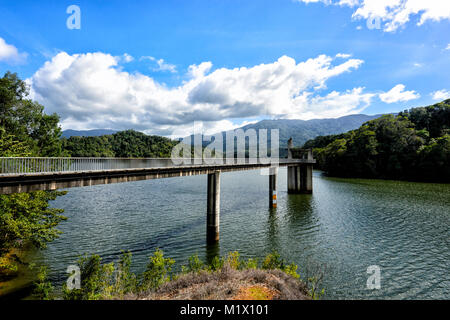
x: 414, y: 145
x: 25, y: 130
x: 105, y: 281
x: 124, y: 144
x: 43, y: 289
x: 25, y: 119
x: 27, y: 217
x: 115, y: 280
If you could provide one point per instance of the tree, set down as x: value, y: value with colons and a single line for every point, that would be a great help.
x: 25, y: 217
x: 413, y: 145
x: 123, y: 144
x: 25, y: 130
x: 25, y: 119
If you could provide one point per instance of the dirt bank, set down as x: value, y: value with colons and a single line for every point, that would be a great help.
x: 230, y: 284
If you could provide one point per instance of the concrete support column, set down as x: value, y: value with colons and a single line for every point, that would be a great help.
x: 293, y: 179
x: 300, y: 179
x: 309, y: 178
x: 213, y: 208
x: 306, y: 178
x: 310, y: 154
x: 293, y: 173
x: 273, y: 174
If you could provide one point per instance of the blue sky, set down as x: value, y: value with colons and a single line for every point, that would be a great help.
x: 400, y: 65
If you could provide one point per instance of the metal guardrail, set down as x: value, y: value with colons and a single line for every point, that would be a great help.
x: 33, y: 165
x: 29, y: 165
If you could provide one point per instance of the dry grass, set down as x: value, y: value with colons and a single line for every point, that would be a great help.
x: 228, y: 284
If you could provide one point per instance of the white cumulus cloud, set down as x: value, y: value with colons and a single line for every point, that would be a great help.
x: 161, y: 64
x: 398, y: 94
x: 91, y: 91
x: 9, y: 53
x: 343, y: 55
x: 395, y: 13
x: 441, y: 94
x: 127, y: 58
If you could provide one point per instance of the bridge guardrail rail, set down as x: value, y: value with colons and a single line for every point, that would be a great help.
x: 33, y: 165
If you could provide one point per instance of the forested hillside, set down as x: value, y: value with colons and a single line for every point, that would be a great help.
x: 414, y: 145
x: 123, y: 144
x: 303, y: 130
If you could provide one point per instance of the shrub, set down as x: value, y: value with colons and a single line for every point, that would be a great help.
x: 233, y: 260
x: 126, y: 281
x: 158, y: 271
x: 43, y: 289
x: 273, y: 261
x: 216, y: 264
x: 194, y: 264
x: 96, y: 280
x: 250, y: 264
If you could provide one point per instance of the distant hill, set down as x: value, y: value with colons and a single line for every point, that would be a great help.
x: 86, y: 133
x: 413, y: 145
x: 122, y: 144
x: 304, y: 130
x: 300, y: 130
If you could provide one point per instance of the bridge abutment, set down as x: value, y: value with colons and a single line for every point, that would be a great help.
x: 213, y: 208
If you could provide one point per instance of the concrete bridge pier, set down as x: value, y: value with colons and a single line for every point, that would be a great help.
x: 300, y: 179
x: 273, y: 174
x: 213, y: 208
x: 300, y: 176
x: 293, y: 179
x: 306, y: 171
x: 306, y: 178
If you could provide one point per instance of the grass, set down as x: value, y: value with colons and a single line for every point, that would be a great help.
x: 255, y: 292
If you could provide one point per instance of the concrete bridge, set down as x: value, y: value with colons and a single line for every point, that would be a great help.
x: 31, y: 174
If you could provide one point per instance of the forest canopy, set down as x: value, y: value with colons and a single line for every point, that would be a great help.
x: 123, y: 144
x: 413, y: 145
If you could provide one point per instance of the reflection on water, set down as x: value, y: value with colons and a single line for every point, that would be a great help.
x: 272, y: 230
x: 212, y: 250
x: 345, y: 226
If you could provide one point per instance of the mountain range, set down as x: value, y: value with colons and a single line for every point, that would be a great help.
x: 304, y: 130
x: 300, y: 130
x: 86, y: 133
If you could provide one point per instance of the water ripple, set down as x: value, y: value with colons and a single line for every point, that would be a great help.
x: 345, y: 226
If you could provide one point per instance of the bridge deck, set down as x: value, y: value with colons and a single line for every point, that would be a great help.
x: 61, y: 173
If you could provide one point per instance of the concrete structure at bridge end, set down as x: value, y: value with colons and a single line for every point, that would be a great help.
x: 299, y: 177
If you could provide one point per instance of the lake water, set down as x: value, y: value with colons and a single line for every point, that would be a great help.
x: 345, y: 226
